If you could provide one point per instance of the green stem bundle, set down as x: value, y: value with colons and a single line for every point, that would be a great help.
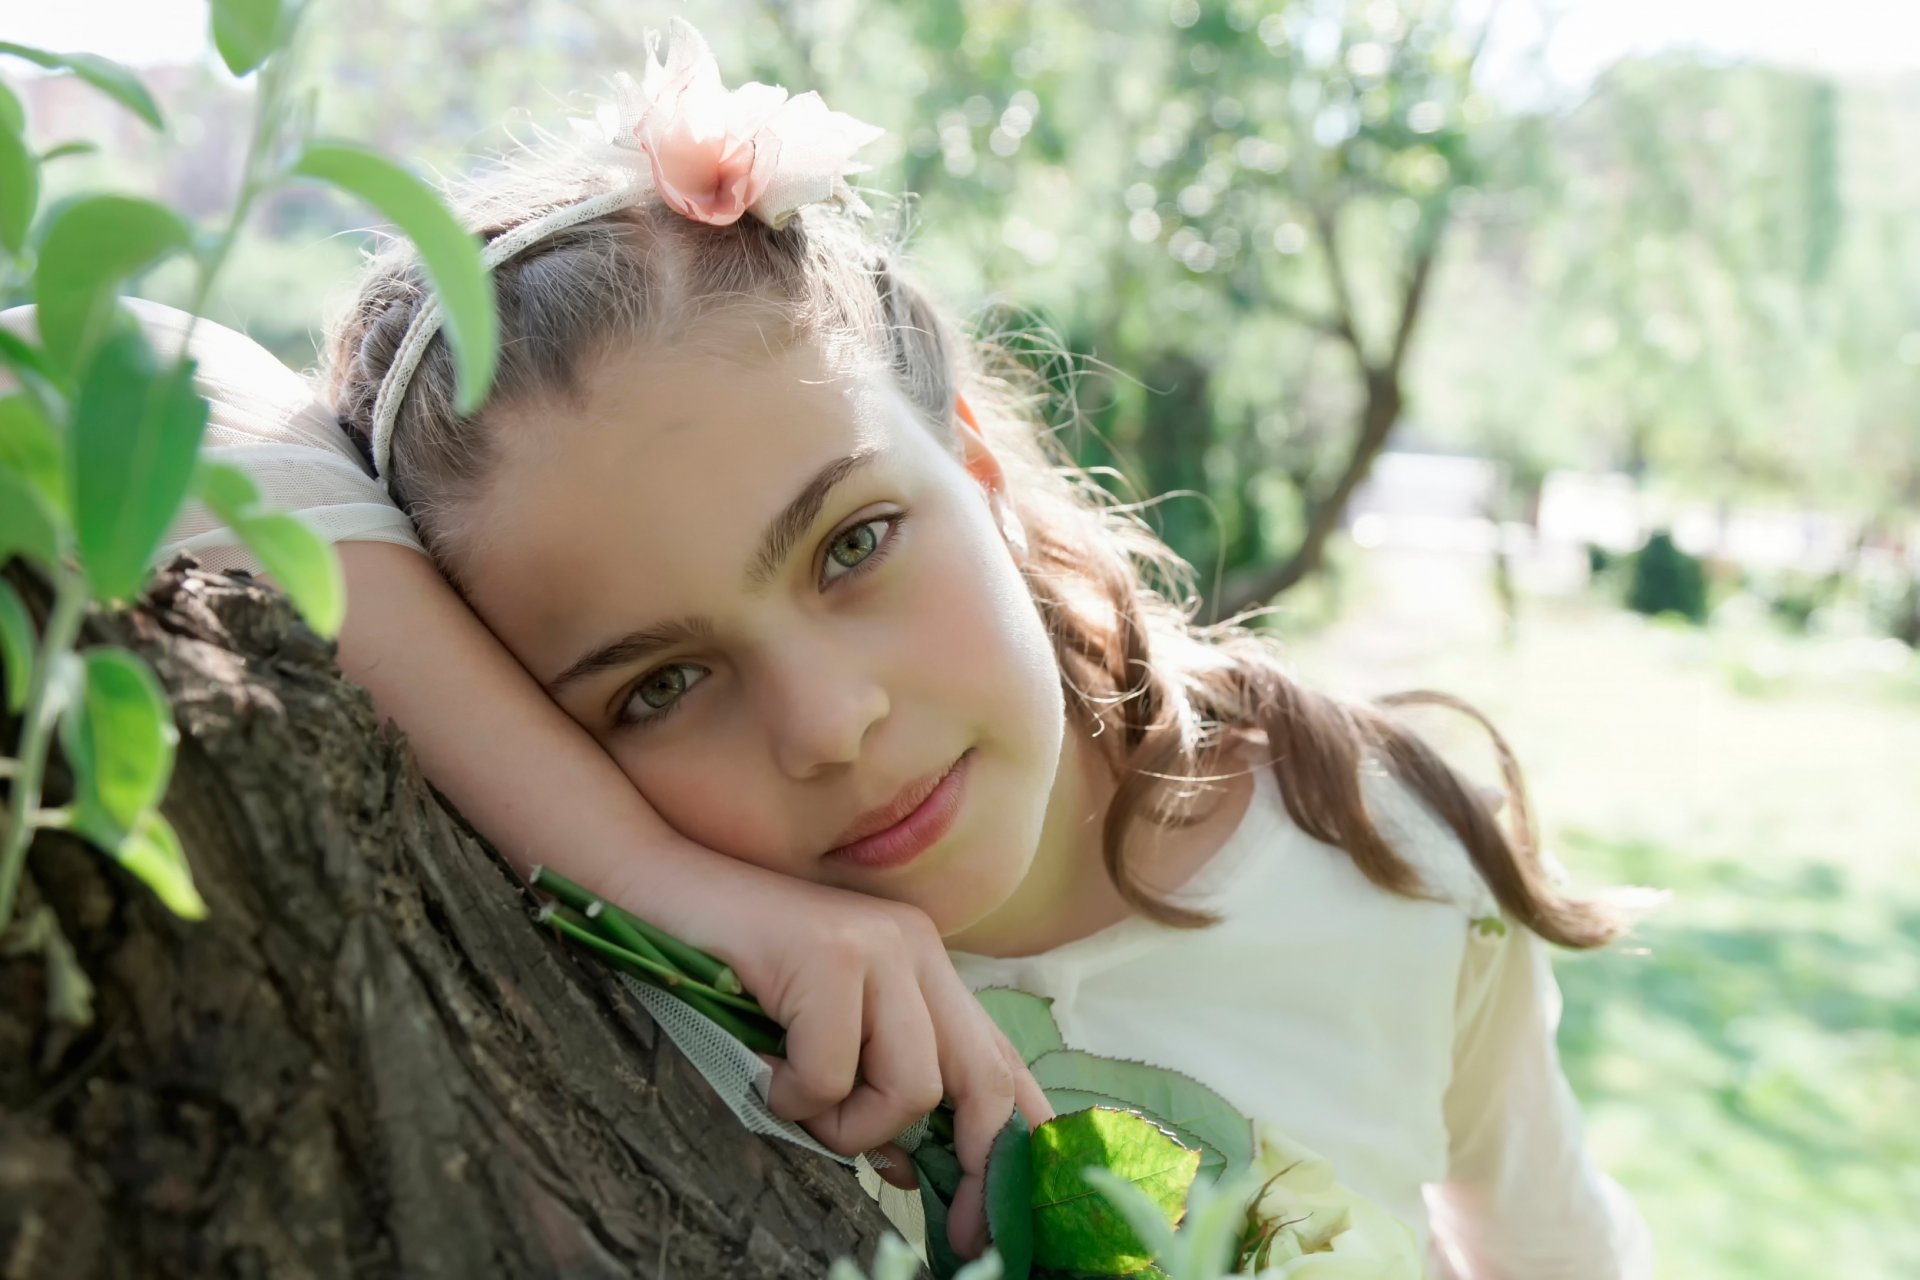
x: 652, y: 955
x: 642, y: 951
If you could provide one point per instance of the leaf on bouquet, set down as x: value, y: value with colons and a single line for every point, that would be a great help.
x: 1212, y: 1163
x: 938, y: 1166
x: 935, y: 1164
x: 1010, y: 1197
x: 1075, y: 1227
x: 1183, y: 1103
x: 1026, y: 1019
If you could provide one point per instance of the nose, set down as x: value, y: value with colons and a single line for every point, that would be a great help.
x: 822, y: 702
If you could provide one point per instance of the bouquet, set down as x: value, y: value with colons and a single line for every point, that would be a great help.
x: 1142, y: 1172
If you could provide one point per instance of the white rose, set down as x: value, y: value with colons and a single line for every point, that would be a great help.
x: 1316, y: 1229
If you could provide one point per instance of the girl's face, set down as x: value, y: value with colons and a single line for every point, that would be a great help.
x: 779, y: 602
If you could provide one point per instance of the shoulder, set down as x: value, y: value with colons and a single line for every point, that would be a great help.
x: 1422, y: 837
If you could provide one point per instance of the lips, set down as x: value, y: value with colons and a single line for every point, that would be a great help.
x: 911, y: 797
x: 924, y: 825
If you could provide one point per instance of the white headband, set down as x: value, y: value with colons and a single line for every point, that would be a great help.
x: 713, y: 155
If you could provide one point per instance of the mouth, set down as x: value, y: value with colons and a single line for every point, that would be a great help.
x: 914, y: 832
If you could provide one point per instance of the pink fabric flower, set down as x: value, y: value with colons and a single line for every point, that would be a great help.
x: 718, y: 154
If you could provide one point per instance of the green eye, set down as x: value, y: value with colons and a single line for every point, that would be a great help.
x: 861, y: 536
x: 660, y: 693
x: 668, y: 682
x: 861, y: 547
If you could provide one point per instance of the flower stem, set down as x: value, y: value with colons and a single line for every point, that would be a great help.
x: 691, y: 961
x: 42, y: 710
x: 610, y: 926
x: 577, y: 929
x: 256, y: 174
x: 751, y: 1028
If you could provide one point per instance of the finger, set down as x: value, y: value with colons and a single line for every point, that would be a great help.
x: 823, y: 1055
x: 1026, y: 1090
x: 967, y: 1217
x: 973, y: 1066
x: 899, y: 1076
x: 894, y: 1166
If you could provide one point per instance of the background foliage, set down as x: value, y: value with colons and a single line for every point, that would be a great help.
x: 1244, y: 232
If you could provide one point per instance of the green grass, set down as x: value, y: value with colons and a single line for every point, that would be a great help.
x: 1749, y: 1060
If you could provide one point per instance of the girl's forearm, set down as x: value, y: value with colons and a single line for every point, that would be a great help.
x: 529, y: 778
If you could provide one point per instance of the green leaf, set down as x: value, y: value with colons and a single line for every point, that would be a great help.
x: 16, y: 646
x: 1010, y: 1197
x: 1182, y: 1102
x: 1026, y: 1019
x: 27, y: 525
x: 1212, y: 1163
x: 1216, y: 1219
x: 13, y: 116
x: 103, y: 74
x: 26, y: 361
x: 451, y: 255
x: 938, y: 1167
x: 30, y: 448
x: 152, y: 852
x: 66, y: 149
x: 291, y: 552
x: 229, y: 490
x: 91, y: 247
x: 303, y: 564
x: 136, y: 432
x: 941, y: 1258
x: 245, y: 32
x: 1065, y: 1100
x: 119, y: 737
x: 1075, y: 1227
x: 19, y: 189
x: 1142, y: 1211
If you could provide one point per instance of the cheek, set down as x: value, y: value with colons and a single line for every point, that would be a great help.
x: 980, y: 635
x: 699, y: 788
x: 967, y: 660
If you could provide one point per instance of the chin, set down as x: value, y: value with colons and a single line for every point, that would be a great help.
x: 982, y: 878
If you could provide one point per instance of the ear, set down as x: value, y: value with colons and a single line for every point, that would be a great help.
x: 975, y: 453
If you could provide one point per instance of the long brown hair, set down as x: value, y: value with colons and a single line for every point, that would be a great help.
x: 1170, y: 699
x: 1165, y: 698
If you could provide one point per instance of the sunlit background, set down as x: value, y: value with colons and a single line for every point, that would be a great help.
x: 1564, y: 356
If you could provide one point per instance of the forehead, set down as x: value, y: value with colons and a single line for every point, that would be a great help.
x: 647, y: 497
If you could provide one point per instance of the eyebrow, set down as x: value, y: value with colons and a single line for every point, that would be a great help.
x: 782, y: 533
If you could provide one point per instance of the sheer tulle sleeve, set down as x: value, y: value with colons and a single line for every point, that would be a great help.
x: 1523, y: 1199
x: 267, y: 420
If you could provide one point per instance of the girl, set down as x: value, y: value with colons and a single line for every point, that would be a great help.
x: 780, y: 544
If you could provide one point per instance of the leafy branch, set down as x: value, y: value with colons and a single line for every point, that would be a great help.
x: 100, y: 442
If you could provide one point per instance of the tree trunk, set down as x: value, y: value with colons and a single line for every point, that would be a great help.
x: 367, y: 1061
x: 1378, y: 416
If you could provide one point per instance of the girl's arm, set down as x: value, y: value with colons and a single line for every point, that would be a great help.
x: 879, y: 1026
x: 1523, y: 1196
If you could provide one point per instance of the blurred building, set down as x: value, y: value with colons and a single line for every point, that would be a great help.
x: 1448, y: 502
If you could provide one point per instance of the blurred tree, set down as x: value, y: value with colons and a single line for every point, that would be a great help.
x: 1709, y: 275
x: 1205, y: 196
x: 1667, y: 580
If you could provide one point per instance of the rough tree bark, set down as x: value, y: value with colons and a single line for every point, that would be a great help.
x: 366, y: 1062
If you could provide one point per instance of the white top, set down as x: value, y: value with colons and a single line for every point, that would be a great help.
x: 1413, y: 1051
x: 269, y: 421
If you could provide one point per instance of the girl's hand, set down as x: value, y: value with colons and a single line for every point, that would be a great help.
x: 879, y: 1026
x: 879, y: 1030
